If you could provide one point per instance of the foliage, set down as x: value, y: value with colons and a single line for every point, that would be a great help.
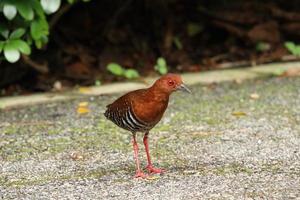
x: 177, y: 43
x: 131, y: 73
x: 262, y: 46
x: 74, y: 1
x: 193, y: 29
x: 118, y: 70
x: 97, y: 82
x: 26, y: 24
x: 292, y: 48
x: 161, y: 66
x: 115, y: 69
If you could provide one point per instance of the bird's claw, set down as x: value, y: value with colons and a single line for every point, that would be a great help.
x: 140, y: 174
x: 154, y: 170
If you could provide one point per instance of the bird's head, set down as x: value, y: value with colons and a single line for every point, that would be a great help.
x: 170, y: 83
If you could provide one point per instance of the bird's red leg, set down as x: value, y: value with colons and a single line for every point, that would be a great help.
x: 139, y: 172
x: 150, y: 167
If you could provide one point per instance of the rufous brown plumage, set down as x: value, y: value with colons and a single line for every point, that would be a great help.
x: 141, y: 110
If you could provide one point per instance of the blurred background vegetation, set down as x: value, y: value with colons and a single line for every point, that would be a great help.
x: 48, y: 45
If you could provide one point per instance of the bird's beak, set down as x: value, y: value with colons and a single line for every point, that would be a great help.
x: 184, y: 88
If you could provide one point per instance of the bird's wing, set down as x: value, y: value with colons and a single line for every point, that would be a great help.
x: 116, y: 110
x: 122, y: 114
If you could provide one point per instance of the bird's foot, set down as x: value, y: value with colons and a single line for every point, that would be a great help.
x: 154, y: 170
x: 140, y: 174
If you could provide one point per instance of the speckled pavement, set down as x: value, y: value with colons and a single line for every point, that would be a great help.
x: 221, y: 142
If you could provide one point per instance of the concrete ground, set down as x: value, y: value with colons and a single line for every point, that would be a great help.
x: 225, y: 141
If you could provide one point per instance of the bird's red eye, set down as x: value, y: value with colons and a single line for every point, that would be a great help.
x: 171, y: 83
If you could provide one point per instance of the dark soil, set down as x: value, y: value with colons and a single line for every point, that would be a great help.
x: 190, y: 35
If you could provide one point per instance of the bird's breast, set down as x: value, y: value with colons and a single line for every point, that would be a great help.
x: 150, y: 112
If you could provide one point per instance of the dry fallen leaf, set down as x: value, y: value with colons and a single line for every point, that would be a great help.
x: 84, y: 90
x: 83, y: 104
x: 239, y: 113
x: 76, y: 156
x: 238, y: 81
x: 83, y: 108
x: 153, y: 177
x: 292, y: 72
x: 254, y: 96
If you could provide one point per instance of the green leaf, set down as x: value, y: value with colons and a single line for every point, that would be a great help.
x: 35, y: 30
x: 39, y: 28
x: 3, y: 28
x: 177, y: 42
x: 297, y: 50
x: 38, y: 44
x: 115, y: 69
x: 97, y: 82
x: 5, y: 33
x: 38, y: 8
x: 161, y: 62
x: 29, y: 40
x: 9, y: 11
x: 193, y: 29
x: 162, y: 69
x: 22, y: 46
x: 1, y: 46
x: 161, y: 66
x: 290, y: 47
x: 50, y: 6
x: 16, y: 34
x: 11, y: 52
x: 262, y: 46
x: 278, y: 72
x: 25, y: 10
x: 71, y: 1
x: 44, y: 39
x: 131, y: 73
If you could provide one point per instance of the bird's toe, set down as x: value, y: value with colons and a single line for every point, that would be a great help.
x: 154, y: 170
x: 140, y: 174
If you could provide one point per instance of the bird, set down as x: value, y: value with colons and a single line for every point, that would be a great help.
x: 140, y: 110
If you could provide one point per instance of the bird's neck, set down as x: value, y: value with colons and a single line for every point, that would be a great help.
x: 158, y: 95
x: 151, y: 105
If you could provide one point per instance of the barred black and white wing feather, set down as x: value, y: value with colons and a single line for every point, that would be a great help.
x: 122, y: 114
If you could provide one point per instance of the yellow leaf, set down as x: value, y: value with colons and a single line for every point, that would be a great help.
x: 83, y: 104
x: 76, y: 156
x: 292, y: 72
x: 152, y: 177
x: 239, y: 113
x: 82, y: 110
x: 84, y: 89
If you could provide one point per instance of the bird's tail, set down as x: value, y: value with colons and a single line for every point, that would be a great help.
x: 107, y: 112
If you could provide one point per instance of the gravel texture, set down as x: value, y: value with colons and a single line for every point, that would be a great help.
x: 218, y: 143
